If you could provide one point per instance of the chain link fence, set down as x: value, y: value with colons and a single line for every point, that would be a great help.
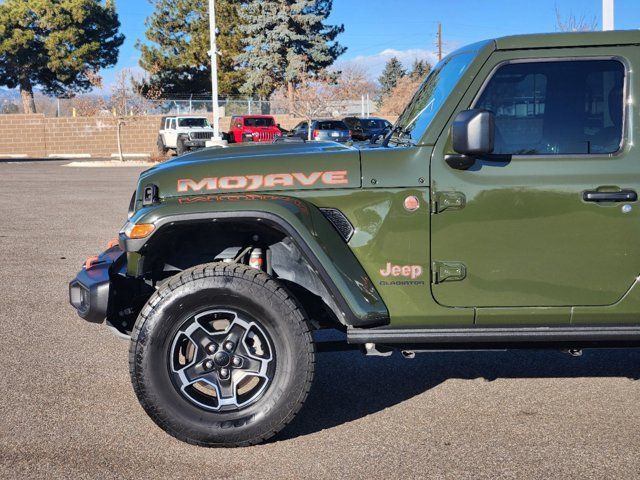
x: 91, y: 105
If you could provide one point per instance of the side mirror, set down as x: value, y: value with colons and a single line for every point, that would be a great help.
x: 474, y: 133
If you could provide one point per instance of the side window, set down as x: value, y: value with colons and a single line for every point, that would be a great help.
x: 167, y: 124
x: 571, y: 107
x: 173, y: 124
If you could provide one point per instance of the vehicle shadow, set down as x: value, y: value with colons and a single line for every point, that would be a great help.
x: 349, y: 385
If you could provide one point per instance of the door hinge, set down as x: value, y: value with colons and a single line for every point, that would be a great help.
x: 447, y: 272
x: 441, y: 201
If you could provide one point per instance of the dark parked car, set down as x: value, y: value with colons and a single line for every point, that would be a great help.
x: 367, y: 128
x: 323, y: 131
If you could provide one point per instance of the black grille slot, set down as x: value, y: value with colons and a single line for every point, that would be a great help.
x: 339, y: 221
x: 201, y: 135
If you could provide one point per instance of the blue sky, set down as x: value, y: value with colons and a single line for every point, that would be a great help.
x: 375, y: 30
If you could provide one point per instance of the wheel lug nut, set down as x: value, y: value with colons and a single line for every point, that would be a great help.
x: 224, y: 372
x: 211, y: 348
x: 228, y: 346
x: 236, y: 362
x: 208, y: 364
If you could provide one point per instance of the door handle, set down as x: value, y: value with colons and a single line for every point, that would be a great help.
x: 621, y: 196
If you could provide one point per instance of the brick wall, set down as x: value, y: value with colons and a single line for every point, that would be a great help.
x: 40, y: 137
x: 22, y: 135
x: 98, y: 137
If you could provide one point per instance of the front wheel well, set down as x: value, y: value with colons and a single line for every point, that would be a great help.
x: 179, y: 246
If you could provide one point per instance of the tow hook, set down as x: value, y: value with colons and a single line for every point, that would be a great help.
x: 574, y: 352
x: 408, y: 354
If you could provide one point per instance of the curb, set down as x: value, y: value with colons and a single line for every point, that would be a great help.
x: 12, y: 157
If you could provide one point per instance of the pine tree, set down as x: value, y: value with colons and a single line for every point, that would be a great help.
x: 56, y: 45
x: 286, y: 40
x: 420, y: 69
x: 393, y: 71
x: 177, y: 53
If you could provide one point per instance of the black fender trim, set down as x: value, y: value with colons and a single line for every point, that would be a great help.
x: 338, y: 304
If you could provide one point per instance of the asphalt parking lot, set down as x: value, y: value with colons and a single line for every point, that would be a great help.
x: 67, y: 408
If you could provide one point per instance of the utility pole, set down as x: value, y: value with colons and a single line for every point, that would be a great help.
x: 217, y: 138
x: 439, y: 40
x: 607, y: 15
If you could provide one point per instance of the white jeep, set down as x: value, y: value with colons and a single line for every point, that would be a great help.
x: 183, y: 134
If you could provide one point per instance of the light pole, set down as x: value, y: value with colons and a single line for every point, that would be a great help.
x: 607, y: 15
x: 217, y: 138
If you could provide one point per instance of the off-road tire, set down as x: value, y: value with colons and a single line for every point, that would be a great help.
x: 162, y: 150
x: 235, y: 287
x: 181, y: 149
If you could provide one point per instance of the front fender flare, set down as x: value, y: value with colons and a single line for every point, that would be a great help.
x: 355, y: 303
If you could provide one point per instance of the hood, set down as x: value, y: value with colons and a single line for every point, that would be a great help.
x: 255, y: 168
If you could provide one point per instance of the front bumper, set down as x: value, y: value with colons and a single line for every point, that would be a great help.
x: 195, y: 143
x: 90, y: 290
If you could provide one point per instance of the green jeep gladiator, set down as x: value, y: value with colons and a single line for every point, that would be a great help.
x: 500, y: 212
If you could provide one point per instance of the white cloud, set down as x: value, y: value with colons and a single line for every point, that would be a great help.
x: 374, y: 64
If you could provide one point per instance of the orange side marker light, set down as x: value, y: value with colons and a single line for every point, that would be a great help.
x: 142, y: 230
x: 90, y: 261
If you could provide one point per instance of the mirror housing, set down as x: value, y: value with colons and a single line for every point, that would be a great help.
x: 474, y: 132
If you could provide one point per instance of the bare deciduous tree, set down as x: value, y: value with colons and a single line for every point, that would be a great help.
x: 312, y: 98
x: 571, y: 23
x: 87, y: 105
x: 126, y: 94
x: 400, y: 96
x: 127, y: 100
x: 324, y: 94
x: 353, y: 82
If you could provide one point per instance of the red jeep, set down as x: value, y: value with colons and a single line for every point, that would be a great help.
x: 253, y: 128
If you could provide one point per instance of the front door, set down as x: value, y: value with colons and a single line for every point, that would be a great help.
x: 171, y: 135
x: 557, y: 224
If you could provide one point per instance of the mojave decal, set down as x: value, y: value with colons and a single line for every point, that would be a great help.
x: 256, y: 182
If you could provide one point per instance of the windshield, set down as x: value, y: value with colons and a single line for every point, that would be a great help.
x: 193, y: 122
x: 434, y: 91
x: 372, y: 123
x: 258, y: 122
x: 331, y: 125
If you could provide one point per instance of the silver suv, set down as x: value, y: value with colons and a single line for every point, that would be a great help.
x: 323, y: 131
